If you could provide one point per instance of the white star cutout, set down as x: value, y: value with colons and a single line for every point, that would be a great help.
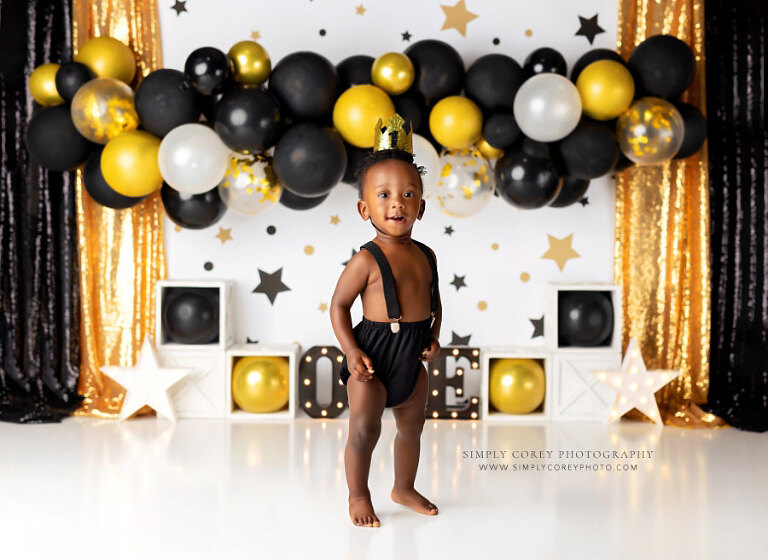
x: 146, y: 383
x: 635, y: 385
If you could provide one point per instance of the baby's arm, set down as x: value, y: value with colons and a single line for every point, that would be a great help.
x: 351, y: 283
x: 430, y: 352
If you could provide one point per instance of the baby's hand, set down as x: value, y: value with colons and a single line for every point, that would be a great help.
x: 430, y: 352
x: 359, y: 364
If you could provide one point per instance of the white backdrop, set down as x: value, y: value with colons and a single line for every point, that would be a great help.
x: 499, y: 252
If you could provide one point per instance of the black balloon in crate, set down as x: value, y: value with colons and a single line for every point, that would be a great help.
x: 584, y: 318
x: 190, y: 315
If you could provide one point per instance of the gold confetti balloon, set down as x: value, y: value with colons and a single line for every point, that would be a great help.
x: 102, y: 108
x: 516, y: 385
x: 393, y: 72
x: 108, y: 58
x: 250, y: 63
x: 250, y: 185
x: 260, y: 383
x: 42, y: 85
x: 465, y: 183
x: 651, y: 131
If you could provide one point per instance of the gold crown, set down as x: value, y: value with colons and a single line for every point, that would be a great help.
x: 395, y: 135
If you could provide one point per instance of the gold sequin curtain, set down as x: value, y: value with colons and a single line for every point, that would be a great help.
x: 122, y: 252
x: 662, y: 236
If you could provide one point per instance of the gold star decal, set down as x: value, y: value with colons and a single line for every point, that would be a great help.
x: 255, y: 35
x: 457, y: 17
x: 323, y: 307
x: 360, y: 10
x: 560, y: 250
x: 178, y: 228
x: 335, y: 219
x: 225, y: 234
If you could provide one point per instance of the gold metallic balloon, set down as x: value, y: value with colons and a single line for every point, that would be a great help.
x: 250, y: 63
x: 129, y: 163
x: 260, y: 383
x: 42, y: 85
x: 516, y: 385
x: 102, y: 108
x: 465, y: 183
x: 651, y: 131
x: 487, y: 150
x: 456, y: 122
x: 393, y: 72
x: 250, y: 185
x: 606, y: 88
x: 357, y: 111
x: 108, y: 58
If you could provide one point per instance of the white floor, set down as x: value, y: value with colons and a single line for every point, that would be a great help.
x: 90, y: 488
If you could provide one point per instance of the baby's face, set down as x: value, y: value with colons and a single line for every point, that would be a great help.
x: 392, y: 196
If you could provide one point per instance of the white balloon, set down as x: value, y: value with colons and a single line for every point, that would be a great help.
x: 547, y: 107
x: 424, y: 154
x: 192, y: 158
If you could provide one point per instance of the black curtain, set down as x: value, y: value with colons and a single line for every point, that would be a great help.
x: 39, y: 277
x: 738, y: 151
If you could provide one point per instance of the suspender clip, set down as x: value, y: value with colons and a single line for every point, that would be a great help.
x: 395, y: 325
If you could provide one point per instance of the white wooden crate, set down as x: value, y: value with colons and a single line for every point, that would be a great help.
x: 577, y: 394
x: 551, y: 317
x: 201, y: 394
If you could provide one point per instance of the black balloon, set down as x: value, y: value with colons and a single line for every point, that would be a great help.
x: 584, y: 318
x: 544, y: 60
x: 695, y: 130
x: 412, y: 107
x: 54, y: 141
x: 571, y: 192
x: 306, y: 84
x: 165, y: 100
x: 206, y: 69
x: 588, y: 152
x: 354, y: 71
x: 193, y: 211
x: 662, y: 66
x: 492, y: 82
x: 525, y: 177
x: 70, y: 76
x: 296, y: 202
x: 247, y: 120
x: 500, y: 130
x: 310, y: 159
x: 355, y: 157
x: 623, y: 162
x: 593, y: 56
x: 98, y: 188
x: 191, y: 315
x: 439, y: 69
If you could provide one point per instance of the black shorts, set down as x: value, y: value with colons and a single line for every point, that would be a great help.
x: 395, y: 356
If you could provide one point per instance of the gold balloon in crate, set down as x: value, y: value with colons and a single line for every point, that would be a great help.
x: 250, y: 63
x: 42, y: 85
x: 651, y: 131
x: 108, y: 58
x: 102, y: 108
x: 393, y: 72
x: 516, y: 385
x: 260, y: 383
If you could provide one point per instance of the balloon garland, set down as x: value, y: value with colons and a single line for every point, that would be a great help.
x: 536, y: 137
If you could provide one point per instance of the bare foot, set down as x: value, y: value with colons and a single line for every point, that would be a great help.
x: 361, y: 512
x: 414, y: 500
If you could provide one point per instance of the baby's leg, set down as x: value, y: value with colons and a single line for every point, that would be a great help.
x: 410, y: 416
x: 366, y: 405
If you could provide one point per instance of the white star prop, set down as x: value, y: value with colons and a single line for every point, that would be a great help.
x: 635, y: 385
x: 146, y: 383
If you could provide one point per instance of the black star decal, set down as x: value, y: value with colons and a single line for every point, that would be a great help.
x: 458, y: 281
x: 449, y: 230
x: 249, y: 341
x: 406, y: 36
x: 584, y: 201
x: 538, y: 327
x: 457, y: 340
x: 179, y: 7
x: 350, y: 258
x: 271, y: 284
x: 589, y: 28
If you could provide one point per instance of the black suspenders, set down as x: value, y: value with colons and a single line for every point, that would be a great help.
x: 388, y: 280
